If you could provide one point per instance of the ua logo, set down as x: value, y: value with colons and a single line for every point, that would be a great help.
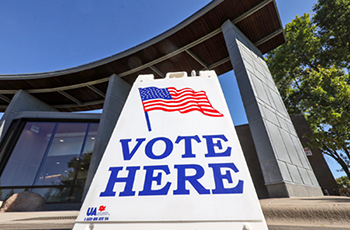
x: 91, y: 211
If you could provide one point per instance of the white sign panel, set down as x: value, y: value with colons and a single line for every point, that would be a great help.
x: 173, y: 162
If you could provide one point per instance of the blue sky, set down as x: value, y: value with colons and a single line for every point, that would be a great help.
x: 42, y: 35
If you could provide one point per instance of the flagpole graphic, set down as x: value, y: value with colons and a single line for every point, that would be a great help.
x: 148, y: 122
x: 171, y: 99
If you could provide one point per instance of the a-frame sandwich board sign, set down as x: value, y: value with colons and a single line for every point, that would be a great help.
x: 174, y: 161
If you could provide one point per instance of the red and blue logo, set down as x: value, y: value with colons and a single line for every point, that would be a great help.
x: 97, y: 214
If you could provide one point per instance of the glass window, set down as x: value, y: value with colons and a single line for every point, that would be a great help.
x: 62, y: 194
x: 60, y: 165
x: 6, y: 193
x: 52, y: 154
x: 84, y: 163
x: 27, y: 155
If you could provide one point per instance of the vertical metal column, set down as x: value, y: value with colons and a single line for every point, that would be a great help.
x: 285, y: 167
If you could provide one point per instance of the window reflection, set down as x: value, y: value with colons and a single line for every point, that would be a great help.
x: 27, y: 155
x: 82, y: 167
x: 66, y: 146
x: 51, y: 154
x: 6, y: 193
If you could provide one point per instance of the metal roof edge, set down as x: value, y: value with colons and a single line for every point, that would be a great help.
x: 279, y: 19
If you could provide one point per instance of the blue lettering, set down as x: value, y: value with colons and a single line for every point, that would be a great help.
x: 91, y: 211
x: 125, y: 146
x: 193, y: 180
x: 211, y: 145
x: 129, y: 181
x: 188, y: 144
x: 147, y: 187
x: 219, y: 177
x: 168, y: 148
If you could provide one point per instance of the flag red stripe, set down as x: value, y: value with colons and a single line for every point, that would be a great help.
x: 183, y: 100
x: 212, y: 113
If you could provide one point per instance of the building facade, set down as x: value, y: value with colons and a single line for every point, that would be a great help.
x: 224, y: 35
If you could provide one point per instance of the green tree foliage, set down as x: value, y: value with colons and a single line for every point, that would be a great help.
x: 312, y: 81
x: 327, y: 107
x: 332, y: 19
x: 343, y: 182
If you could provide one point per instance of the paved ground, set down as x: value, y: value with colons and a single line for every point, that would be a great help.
x: 326, y: 213
x: 330, y: 212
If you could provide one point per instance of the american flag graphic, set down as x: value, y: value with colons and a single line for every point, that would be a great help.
x: 171, y: 99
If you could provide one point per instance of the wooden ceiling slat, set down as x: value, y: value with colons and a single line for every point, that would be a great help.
x: 84, y: 94
x: 212, y: 50
x: 52, y: 98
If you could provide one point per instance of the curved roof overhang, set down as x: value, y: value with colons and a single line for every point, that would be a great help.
x: 195, y: 44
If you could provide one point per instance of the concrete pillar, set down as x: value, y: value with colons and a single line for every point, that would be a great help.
x: 286, y: 170
x: 117, y: 93
x: 22, y: 101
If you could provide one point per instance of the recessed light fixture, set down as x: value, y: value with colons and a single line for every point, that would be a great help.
x: 34, y: 129
x: 61, y: 140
